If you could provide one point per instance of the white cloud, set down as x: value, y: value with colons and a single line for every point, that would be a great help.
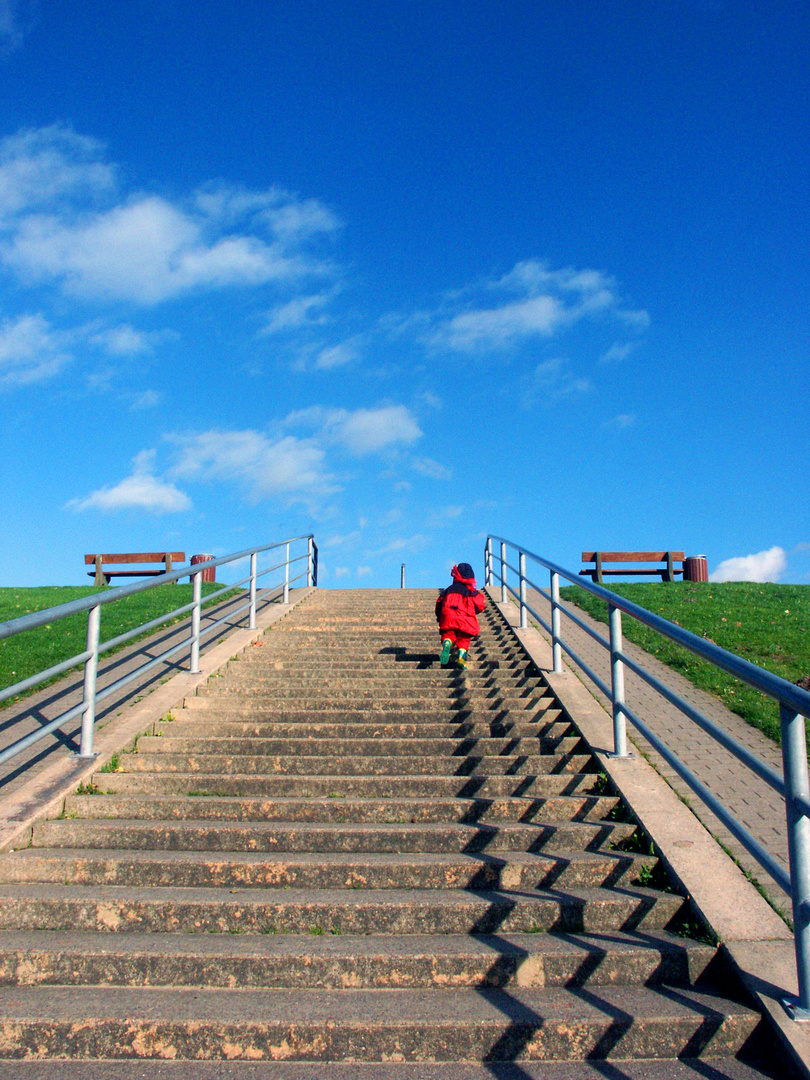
x: 434, y: 469
x: 763, y: 566
x: 622, y: 421
x: 146, y: 400
x: 367, y: 431
x: 140, y: 491
x: 30, y: 350
x: 335, y: 356
x: 341, y: 571
x: 16, y: 19
x: 553, y: 381
x: 264, y: 467
x: 350, y: 539
x: 618, y: 351
x: 64, y: 219
x: 47, y: 168
x: 363, y: 571
x: 296, y: 313
x: 361, y: 432
x: 542, y: 303
x: 122, y: 340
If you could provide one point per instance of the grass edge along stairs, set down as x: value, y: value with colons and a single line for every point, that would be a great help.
x: 339, y: 852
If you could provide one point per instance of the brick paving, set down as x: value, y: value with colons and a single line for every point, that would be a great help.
x: 756, y: 805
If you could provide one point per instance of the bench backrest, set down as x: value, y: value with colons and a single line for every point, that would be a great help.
x: 633, y: 556
x: 137, y: 557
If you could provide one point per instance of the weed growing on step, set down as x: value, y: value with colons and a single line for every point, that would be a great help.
x: 687, y: 924
x: 602, y: 785
x: 316, y: 931
x: 88, y: 789
x: 113, y: 765
x: 268, y: 929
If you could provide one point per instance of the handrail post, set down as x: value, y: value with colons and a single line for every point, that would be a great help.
x: 488, y: 562
x: 504, y: 595
x: 309, y: 561
x: 794, y: 763
x: 196, y: 599
x: 287, y: 576
x: 90, y: 677
x: 522, y: 567
x: 556, y: 648
x: 617, y: 684
x: 252, y: 608
x: 402, y: 576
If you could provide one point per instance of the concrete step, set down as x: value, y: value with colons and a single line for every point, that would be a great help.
x: 239, y: 745
x: 370, y: 1025
x: 337, y: 788
x: 330, y: 765
x: 368, y: 712
x: 278, y: 836
x: 179, y: 808
x: 196, y: 725
x: 362, y: 691
x: 333, y: 962
x: 108, y: 909
x: 226, y: 869
x: 392, y: 675
x: 717, y: 1068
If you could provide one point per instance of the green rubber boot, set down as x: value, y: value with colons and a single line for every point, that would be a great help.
x: 461, y: 659
x: 447, y: 648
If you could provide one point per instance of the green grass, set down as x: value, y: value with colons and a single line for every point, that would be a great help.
x: 767, y: 624
x: 35, y: 650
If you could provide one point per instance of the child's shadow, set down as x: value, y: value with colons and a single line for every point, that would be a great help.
x: 401, y: 655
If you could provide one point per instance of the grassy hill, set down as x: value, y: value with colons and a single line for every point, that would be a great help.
x: 36, y: 650
x: 767, y: 624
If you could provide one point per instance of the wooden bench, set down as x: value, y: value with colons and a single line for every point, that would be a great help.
x: 667, y: 572
x: 102, y: 576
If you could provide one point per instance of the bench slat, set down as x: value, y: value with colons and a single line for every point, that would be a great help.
x: 632, y: 556
x: 136, y: 557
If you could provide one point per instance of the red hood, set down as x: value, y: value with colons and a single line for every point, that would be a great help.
x: 468, y: 581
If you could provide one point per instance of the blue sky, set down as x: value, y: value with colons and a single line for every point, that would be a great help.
x: 403, y: 277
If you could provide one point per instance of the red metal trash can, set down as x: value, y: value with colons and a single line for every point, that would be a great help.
x: 695, y: 568
x: 207, y: 575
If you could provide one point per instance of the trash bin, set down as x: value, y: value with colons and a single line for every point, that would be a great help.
x: 695, y: 568
x: 207, y: 575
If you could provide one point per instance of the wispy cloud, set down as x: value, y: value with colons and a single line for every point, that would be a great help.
x: 142, y: 490
x: 529, y: 301
x: 148, y: 399
x: 301, y: 311
x: 433, y: 469
x: 64, y: 218
x: 763, y: 566
x: 621, y: 422
x: 30, y: 350
x: 123, y: 340
x: 16, y: 19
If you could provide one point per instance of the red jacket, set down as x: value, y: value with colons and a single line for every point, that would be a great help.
x: 458, y: 605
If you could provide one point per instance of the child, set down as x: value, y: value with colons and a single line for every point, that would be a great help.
x: 456, y: 613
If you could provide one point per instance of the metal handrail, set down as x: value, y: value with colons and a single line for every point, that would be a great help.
x: 91, y: 695
x: 794, y: 708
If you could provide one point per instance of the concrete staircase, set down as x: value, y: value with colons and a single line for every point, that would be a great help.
x: 339, y: 852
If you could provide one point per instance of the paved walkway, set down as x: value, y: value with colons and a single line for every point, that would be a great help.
x: 756, y: 805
